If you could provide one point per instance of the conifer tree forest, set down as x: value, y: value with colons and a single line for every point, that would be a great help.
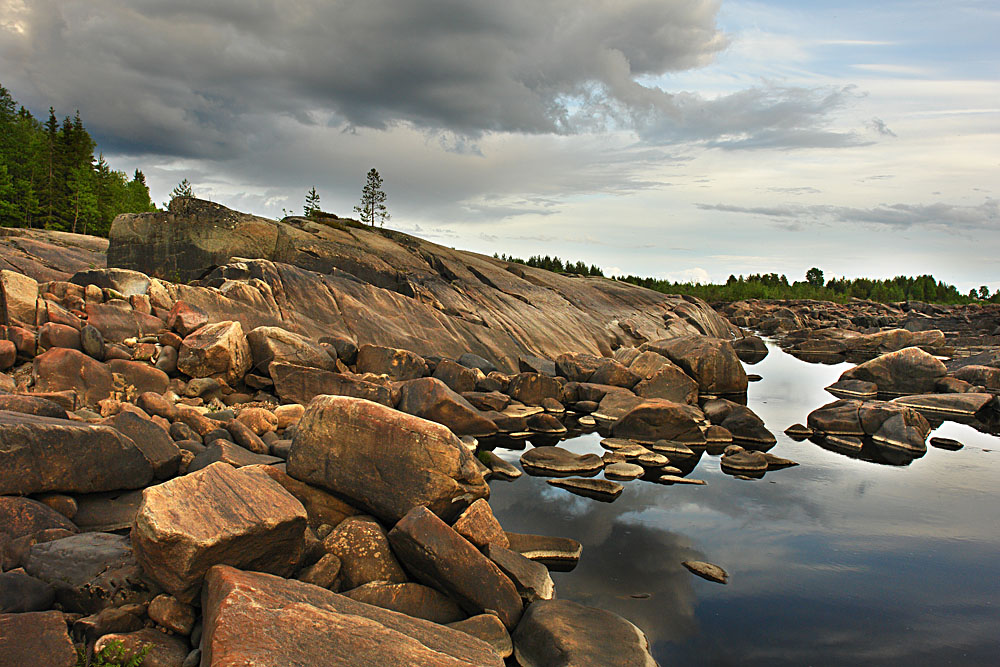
x: 50, y: 179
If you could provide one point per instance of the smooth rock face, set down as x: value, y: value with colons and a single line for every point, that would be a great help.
x: 321, y: 507
x: 430, y: 398
x: 560, y: 633
x: 61, y: 369
x: 531, y: 579
x: 24, y: 516
x: 490, y: 629
x: 216, y: 350
x: 90, y: 571
x: 152, y: 440
x: 442, y: 558
x: 533, y: 388
x: 383, y: 460
x: 301, y: 384
x: 556, y: 460
x: 18, y: 294
x: 39, y: 454
x: 217, y: 515
x: 907, y: 371
x: 659, y: 419
x: 598, y: 489
x: 37, y: 638
x: 712, y: 362
x: 742, y: 423
x: 478, y: 525
x: 409, y: 598
x: 274, y: 622
x: 396, y: 363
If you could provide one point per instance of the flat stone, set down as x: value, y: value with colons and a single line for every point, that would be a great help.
x: 555, y: 460
x: 556, y: 553
x: 321, y: 507
x: 561, y: 632
x: 438, y: 556
x: 672, y: 449
x: 384, y: 461
x: 35, y: 638
x: 624, y: 471
x: 947, y: 405
x: 799, y: 432
x: 216, y: 515
x: 276, y: 623
x: 659, y: 419
x: 223, y: 451
x: 856, y: 389
x: 946, y: 443
x: 675, y: 479
x: 708, y: 571
x: 598, y: 489
x: 301, y: 384
x: 62, y: 369
x: 500, y: 468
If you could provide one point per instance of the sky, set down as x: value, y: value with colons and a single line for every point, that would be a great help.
x: 680, y: 139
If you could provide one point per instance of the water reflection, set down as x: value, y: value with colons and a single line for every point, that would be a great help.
x: 837, y: 561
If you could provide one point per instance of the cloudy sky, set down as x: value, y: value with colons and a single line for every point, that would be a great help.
x: 685, y: 139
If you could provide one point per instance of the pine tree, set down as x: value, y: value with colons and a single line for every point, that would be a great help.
x: 373, y: 200
x: 183, y: 189
x: 312, y: 203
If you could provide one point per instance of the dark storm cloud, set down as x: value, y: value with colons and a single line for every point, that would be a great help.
x: 898, y: 216
x: 208, y: 78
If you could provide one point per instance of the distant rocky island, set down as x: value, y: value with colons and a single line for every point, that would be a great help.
x: 226, y: 439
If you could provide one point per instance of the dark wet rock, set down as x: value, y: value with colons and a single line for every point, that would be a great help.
x: 384, y: 460
x: 42, y: 454
x: 906, y: 371
x: 24, y: 516
x: 598, y: 489
x: 294, y: 623
x: 409, y: 598
x: 163, y: 650
x: 658, y: 419
x: 478, y: 525
x: 90, y: 571
x: 854, y: 389
x: 556, y: 553
x: 946, y: 443
x: 563, y: 633
x: 623, y: 471
x: 363, y: 549
x: 62, y: 369
x: 750, y: 349
x: 556, y: 460
x: 435, y: 554
x: 239, y: 517
x: 470, y: 360
x: 837, y: 418
x: 708, y: 571
x: 896, y: 427
x: 152, y: 440
x: 35, y: 638
x: 430, y: 398
x: 533, y: 388
x: 532, y: 579
x: 711, y: 362
x: 396, y: 363
x: 489, y: 629
x: 21, y: 593
x: 500, y: 468
x: 107, y: 512
x: 274, y: 344
x: 223, y: 451
x: 300, y: 384
x: 742, y: 422
x: 216, y: 350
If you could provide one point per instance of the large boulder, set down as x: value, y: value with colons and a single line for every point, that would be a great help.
x: 274, y: 622
x: 669, y: 382
x: 18, y: 294
x: 301, y: 384
x: 383, y: 460
x: 659, y: 419
x: 440, y: 557
x: 431, y: 399
x: 533, y: 388
x: 220, y: 514
x: 363, y: 549
x: 216, y: 350
x: 906, y: 371
x: 154, y: 442
x: 712, y: 362
x: 409, y: 598
x: 274, y: 344
x: 321, y: 507
x: 742, y: 422
x: 561, y: 633
x: 39, y: 454
x: 62, y: 369
x: 24, y: 516
x: 90, y: 572
x: 397, y: 364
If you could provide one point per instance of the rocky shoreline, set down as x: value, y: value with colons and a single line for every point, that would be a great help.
x: 286, y: 460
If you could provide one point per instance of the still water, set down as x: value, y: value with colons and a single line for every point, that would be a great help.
x: 838, y: 561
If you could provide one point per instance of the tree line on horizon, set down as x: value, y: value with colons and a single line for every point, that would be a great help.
x: 554, y: 264
x: 50, y: 179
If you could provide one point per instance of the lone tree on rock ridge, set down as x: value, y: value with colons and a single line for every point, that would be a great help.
x: 183, y: 189
x: 312, y: 203
x: 373, y: 200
